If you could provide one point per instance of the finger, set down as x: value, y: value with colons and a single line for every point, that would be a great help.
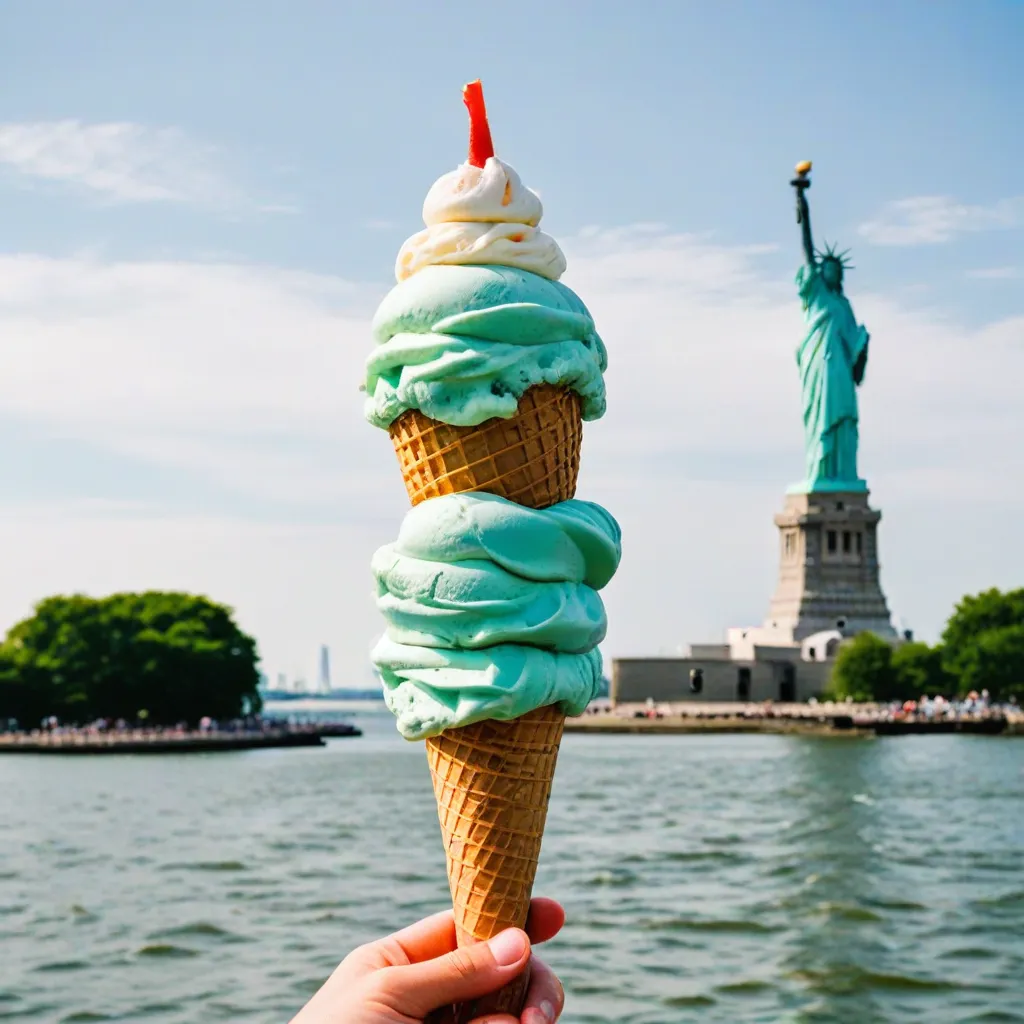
x: 545, y: 919
x: 456, y: 977
x: 545, y: 997
x: 434, y: 936
x: 425, y: 940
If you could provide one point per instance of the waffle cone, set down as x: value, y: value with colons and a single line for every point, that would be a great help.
x: 492, y: 781
x: 532, y: 458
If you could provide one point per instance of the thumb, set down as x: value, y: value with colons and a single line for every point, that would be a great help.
x: 466, y: 973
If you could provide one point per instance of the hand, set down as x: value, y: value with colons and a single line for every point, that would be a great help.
x: 402, y: 978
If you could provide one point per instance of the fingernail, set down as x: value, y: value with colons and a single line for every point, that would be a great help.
x: 508, y: 948
x: 542, y: 1014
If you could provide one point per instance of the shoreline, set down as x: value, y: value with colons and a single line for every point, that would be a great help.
x: 798, y: 720
x: 140, y: 742
x: 691, y: 725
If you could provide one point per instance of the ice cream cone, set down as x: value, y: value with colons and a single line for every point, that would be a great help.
x: 492, y: 782
x: 492, y: 779
x: 532, y: 458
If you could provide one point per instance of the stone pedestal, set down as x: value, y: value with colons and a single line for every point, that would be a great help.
x: 828, y: 567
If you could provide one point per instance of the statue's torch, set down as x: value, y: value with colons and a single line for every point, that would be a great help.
x: 801, y: 182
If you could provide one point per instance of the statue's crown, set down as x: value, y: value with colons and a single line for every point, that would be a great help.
x: 842, y: 258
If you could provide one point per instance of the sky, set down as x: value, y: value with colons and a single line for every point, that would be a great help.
x: 201, y: 205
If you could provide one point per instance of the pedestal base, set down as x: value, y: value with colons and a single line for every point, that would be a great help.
x: 828, y: 566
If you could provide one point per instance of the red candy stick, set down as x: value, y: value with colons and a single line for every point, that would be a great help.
x: 481, y: 149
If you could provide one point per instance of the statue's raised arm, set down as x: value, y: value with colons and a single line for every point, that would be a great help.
x: 803, y: 214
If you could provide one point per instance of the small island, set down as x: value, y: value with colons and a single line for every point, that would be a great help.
x: 146, y: 672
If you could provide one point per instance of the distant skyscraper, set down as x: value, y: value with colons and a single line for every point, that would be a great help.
x: 325, y: 669
x: 282, y: 682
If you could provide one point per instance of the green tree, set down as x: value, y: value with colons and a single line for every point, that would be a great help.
x: 994, y: 660
x: 918, y: 670
x: 981, y: 641
x: 178, y: 656
x: 15, y: 700
x: 863, y: 670
x: 976, y: 613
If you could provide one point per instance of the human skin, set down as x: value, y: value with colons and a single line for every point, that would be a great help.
x: 400, y: 979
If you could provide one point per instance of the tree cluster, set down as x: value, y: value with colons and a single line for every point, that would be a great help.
x: 982, y: 647
x: 176, y: 657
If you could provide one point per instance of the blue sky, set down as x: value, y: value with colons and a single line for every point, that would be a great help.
x: 201, y: 205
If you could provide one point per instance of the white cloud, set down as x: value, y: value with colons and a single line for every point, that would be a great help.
x: 995, y: 274
x: 245, y: 374
x: 119, y: 161
x: 250, y: 376
x: 700, y: 336
x: 932, y: 220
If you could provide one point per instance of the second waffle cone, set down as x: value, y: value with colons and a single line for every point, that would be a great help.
x: 492, y: 781
x: 531, y: 458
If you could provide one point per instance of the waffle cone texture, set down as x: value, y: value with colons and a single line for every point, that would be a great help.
x: 531, y: 458
x: 492, y: 780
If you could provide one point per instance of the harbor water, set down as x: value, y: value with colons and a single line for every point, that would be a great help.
x: 706, y: 878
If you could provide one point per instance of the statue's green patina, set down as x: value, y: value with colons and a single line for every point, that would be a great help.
x: 832, y: 358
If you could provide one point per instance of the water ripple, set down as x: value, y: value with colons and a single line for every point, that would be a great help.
x: 732, y: 879
x: 166, y: 949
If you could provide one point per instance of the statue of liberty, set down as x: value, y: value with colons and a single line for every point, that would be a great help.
x: 832, y: 358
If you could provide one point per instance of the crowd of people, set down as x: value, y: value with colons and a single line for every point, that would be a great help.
x: 142, y: 728
x: 973, y: 706
x: 939, y: 708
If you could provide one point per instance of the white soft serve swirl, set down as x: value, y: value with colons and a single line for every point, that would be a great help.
x: 484, y: 216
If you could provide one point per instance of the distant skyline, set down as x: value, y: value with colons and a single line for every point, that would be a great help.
x: 201, y: 205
